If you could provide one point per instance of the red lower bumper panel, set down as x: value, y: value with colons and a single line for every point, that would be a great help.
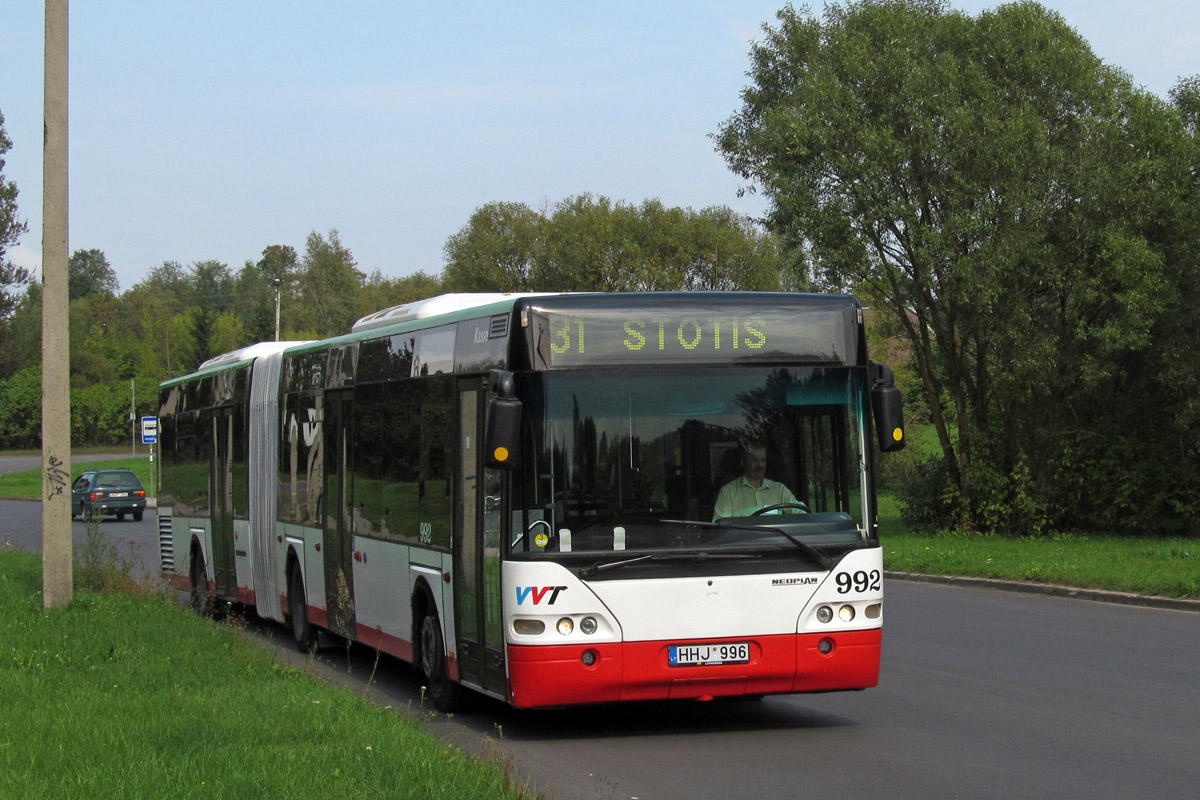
x: 606, y: 673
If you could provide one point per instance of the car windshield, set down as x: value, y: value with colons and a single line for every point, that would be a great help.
x: 117, y: 480
x: 691, y: 460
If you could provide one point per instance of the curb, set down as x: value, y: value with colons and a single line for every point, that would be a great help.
x: 1022, y: 587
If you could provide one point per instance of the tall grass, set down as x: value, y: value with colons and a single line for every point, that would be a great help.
x: 122, y: 695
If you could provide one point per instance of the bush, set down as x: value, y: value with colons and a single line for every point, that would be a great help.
x: 927, y: 499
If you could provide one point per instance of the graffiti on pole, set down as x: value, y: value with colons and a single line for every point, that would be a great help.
x: 56, y: 477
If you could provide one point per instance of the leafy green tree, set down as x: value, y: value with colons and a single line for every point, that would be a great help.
x: 379, y: 292
x: 589, y: 243
x: 279, y: 271
x: 279, y: 261
x: 1004, y: 196
x: 162, y: 329
x: 22, y: 333
x: 254, y: 304
x: 329, y: 284
x: 212, y: 293
x: 228, y: 333
x: 12, y: 277
x: 89, y: 273
x: 494, y: 251
x: 21, y: 409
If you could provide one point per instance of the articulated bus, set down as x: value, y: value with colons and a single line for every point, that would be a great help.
x: 530, y: 496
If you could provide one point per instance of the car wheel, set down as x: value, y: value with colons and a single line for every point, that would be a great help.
x: 137, y: 516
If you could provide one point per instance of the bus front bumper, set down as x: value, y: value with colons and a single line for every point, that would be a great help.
x: 558, y: 675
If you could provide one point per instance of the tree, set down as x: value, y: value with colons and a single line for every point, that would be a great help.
x: 21, y: 409
x: 212, y: 294
x: 22, y: 333
x: 494, y: 251
x: 329, y: 284
x: 89, y: 273
x: 160, y: 307
x: 1004, y: 196
x: 589, y: 243
x: 11, y: 228
x: 379, y: 292
x: 257, y: 290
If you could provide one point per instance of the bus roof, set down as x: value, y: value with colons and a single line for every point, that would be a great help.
x: 438, y: 306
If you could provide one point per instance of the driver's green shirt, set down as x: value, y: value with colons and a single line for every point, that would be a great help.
x: 739, y: 499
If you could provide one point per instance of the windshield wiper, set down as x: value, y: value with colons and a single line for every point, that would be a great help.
x: 824, y: 561
x: 701, y: 555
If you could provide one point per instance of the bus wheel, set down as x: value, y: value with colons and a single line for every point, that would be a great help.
x: 443, y: 691
x: 303, y: 630
x: 201, y: 600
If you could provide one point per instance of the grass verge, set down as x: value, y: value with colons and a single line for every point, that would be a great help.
x: 128, y: 695
x: 1154, y: 567
x: 27, y: 484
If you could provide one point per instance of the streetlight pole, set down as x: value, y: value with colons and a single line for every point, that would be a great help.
x: 277, y: 282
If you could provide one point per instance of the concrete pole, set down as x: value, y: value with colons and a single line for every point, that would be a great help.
x: 56, y: 388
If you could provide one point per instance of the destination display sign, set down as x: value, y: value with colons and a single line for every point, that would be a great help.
x: 581, y: 337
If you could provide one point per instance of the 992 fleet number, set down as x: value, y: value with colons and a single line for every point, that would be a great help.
x: 859, y: 582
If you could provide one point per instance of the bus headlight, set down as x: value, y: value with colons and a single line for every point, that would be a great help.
x: 846, y: 613
x: 588, y: 625
x: 824, y: 614
x: 566, y: 626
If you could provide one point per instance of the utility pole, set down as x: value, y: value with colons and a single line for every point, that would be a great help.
x: 56, y: 389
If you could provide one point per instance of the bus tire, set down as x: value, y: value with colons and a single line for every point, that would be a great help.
x: 304, y: 631
x: 443, y: 691
x: 201, y: 600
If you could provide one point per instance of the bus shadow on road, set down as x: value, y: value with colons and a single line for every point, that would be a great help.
x: 396, y: 684
x: 663, y: 718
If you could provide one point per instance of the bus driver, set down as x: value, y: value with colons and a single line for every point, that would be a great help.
x: 751, y: 490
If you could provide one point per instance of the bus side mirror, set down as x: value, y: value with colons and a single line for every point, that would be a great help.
x: 887, y: 408
x: 502, y: 437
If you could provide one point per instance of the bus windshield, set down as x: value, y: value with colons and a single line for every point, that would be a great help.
x: 647, y: 460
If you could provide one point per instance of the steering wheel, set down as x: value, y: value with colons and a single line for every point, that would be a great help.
x: 779, y: 506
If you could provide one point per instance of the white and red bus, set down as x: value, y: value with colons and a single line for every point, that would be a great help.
x: 518, y: 493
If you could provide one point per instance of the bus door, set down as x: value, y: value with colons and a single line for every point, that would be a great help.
x: 224, y: 557
x: 478, y: 514
x: 338, y: 542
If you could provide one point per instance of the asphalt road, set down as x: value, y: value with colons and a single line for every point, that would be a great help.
x: 136, y: 542
x: 984, y: 694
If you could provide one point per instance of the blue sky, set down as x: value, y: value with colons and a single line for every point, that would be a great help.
x: 211, y: 130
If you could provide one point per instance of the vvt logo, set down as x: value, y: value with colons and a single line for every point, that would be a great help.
x: 538, y: 593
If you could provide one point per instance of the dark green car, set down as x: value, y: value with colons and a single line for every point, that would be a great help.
x: 108, y: 491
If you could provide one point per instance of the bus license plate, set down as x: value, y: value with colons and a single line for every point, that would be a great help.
x: 693, y: 655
